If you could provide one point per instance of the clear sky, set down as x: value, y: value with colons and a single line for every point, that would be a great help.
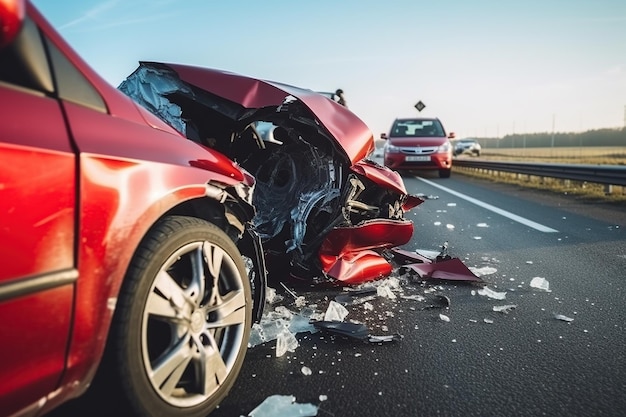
x: 485, y: 68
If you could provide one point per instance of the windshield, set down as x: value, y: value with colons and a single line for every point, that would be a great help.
x: 417, y: 128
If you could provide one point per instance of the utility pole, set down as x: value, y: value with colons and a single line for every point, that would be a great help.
x: 552, y: 142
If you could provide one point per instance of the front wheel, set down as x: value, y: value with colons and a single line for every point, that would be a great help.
x: 181, y: 328
x: 445, y: 173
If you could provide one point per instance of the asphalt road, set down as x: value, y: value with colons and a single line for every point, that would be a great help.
x: 481, y: 362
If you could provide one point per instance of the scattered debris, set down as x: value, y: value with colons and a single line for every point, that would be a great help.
x: 306, y: 371
x: 283, y: 405
x: 445, y: 318
x: 488, y: 321
x: 563, y: 318
x: 540, y: 283
x: 505, y: 308
x: 486, y: 291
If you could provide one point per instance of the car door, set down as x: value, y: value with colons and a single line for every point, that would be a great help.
x: 37, y: 226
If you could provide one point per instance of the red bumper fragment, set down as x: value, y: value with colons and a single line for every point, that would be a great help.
x: 346, y: 254
x: 451, y: 269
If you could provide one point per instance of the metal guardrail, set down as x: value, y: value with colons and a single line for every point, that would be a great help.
x: 601, y: 174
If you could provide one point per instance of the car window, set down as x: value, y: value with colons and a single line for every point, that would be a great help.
x: 72, y: 85
x: 24, y: 62
x: 417, y: 128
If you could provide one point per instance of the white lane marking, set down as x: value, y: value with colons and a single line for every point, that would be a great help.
x: 495, y: 209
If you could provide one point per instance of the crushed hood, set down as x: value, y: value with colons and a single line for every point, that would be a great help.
x: 249, y: 98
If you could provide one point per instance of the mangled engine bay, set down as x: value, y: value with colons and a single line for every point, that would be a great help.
x: 323, y: 212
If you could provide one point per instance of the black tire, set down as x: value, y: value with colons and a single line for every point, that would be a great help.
x: 182, y: 323
x: 445, y: 173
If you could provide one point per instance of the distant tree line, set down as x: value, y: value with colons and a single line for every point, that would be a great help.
x: 600, y: 137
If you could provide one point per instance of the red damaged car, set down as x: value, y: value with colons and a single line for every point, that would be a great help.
x: 135, y: 248
x: 323, y: 211
x: 140, y: 226
x: 418, y: 144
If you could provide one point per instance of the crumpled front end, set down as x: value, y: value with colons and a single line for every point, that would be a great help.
x: 322, y: 211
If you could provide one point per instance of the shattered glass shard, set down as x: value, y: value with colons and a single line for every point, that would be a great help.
x: 271, y: 329
x: 285, y: 341
x: 256, y: 338
x: 301, y: 324
x: 563, y: 318
x: 486, y: 291
x: 386, y: 292
x: 505, y: 308
x: 335, y: 312
x: 281, y: 406
x: 485, y: 270
x: 540, y: 283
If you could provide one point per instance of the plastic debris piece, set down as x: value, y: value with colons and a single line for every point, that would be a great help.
x: 430, y: 254
x: 540, y: 283
x: 335, y: 312
x: 505, y: 308
x: 384, y: 339
x: 445, y: 318
x: 353, y: 330
x: 486, y: 291
x: 285, y: 341
x: 488, y: 321
x: 440, y: 301
x: 323, y: 397
x: 306, y: 371
x: 415, y: 297
x: 563, y: 318
x: 283, y: 405
x: 449, y: 269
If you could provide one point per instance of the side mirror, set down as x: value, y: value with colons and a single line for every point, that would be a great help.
x: 11, y: 19
x: 383, y: 136
x: 451, y: 135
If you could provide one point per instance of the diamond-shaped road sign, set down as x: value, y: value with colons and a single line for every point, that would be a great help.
x: 420, y: 106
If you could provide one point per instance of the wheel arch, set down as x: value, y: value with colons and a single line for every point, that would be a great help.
x: 94, y: 308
